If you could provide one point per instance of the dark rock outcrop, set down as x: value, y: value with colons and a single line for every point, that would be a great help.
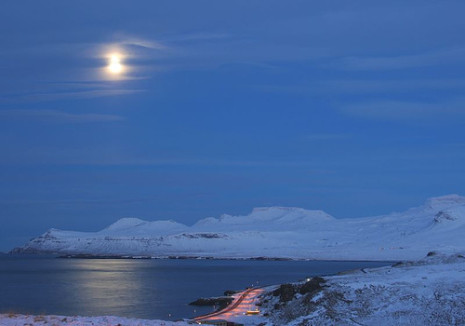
x: 313, y: 285
x: 222, y: 302
x: 286, y: 292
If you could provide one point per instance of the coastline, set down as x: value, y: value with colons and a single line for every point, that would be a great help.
x: 429, y: 291
x: 188, y: 257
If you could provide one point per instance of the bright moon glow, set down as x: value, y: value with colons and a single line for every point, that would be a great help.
x: 114, y: 65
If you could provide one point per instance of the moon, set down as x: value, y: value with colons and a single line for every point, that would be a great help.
x: 114, y: 64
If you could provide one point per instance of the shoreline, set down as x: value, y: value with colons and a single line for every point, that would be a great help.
x: 435, y: 282
x: 193, y: 259
x: 188, y: 257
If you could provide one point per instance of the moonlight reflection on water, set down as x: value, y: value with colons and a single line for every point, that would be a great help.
x: 148, y: 289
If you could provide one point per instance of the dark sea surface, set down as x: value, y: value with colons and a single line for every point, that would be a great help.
x: 150, y: 289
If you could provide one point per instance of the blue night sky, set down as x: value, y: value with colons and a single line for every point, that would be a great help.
x: 353, y: 107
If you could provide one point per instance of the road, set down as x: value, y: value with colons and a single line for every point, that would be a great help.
x: 243, y: 303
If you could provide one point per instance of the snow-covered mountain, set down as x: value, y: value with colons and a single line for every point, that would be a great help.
x: 277, y: 232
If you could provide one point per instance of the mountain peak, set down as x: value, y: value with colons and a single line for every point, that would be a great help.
x: 288, y: 213
x: 125, y: 222
x: 276, y: 209
x: 445, y: 201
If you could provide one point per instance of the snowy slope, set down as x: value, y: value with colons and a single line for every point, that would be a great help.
x: 47, y: 320
x: 135, y: 226
x: 277, y: 232
x: 427, y: 292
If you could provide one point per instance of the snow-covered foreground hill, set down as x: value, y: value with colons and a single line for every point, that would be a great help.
x: 277, y: 232
x: 427, y: 292
x: 44, y: 320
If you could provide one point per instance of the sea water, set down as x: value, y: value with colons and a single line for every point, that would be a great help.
x: 140, y: 288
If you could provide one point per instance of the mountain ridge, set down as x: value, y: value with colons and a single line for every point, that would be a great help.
x: 287, y: 232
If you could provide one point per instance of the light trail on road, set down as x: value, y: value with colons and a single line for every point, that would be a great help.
x: 244, y: 302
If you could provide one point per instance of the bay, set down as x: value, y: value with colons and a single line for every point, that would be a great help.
x: 140, y: 288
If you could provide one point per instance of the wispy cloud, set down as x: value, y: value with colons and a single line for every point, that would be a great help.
x: 57, y: 116
x: 96, y: 156
x: 200, y: 36
x: 142, y: 43
x: 79, y: 70
x: 130, y: 46
x: 92, y: 48
x: 128, y: 161
x: 359, y: 86
x: 60, y: 95
x: 430, y: 58
x: 365, y: 86
x: 392, y: 109
x: 327, y: 136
